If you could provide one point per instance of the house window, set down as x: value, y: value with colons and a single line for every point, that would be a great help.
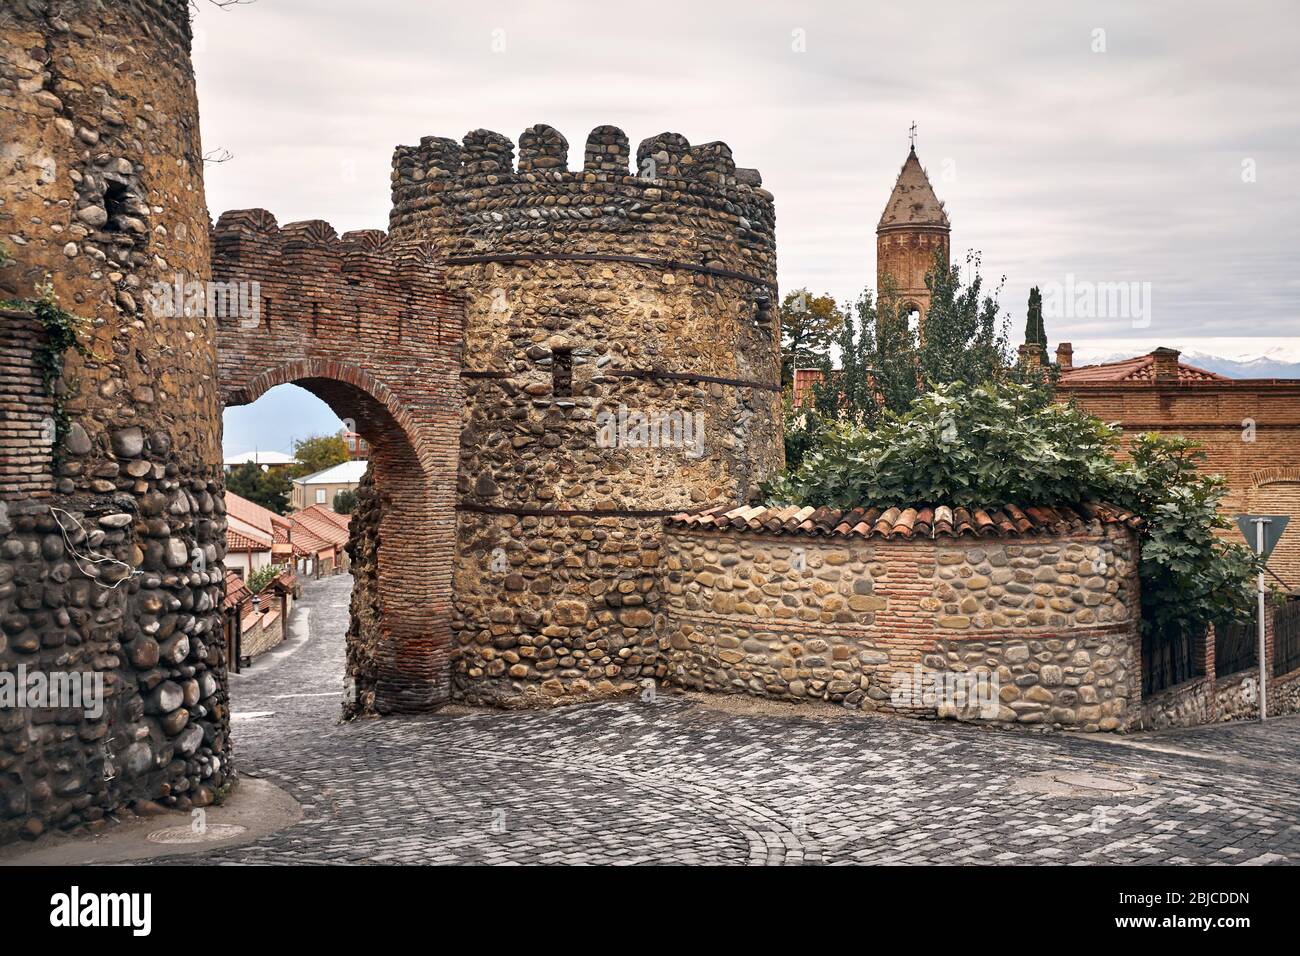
x: 320, y: 496
x: 562, y: 373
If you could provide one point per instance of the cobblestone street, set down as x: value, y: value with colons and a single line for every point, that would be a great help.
x: 684, y: 779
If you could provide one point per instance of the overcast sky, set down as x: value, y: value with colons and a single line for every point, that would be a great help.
x: 1110, y: 142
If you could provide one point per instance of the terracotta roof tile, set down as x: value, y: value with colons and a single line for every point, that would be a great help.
x: 939, y: 521
x: 236, y: 591
x: 1137, y: 369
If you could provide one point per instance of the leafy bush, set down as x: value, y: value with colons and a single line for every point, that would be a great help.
x: 259, y: 579
x: 957, y: 445
x: 1190, y: 575
x: 1007, y: 443
x: 345, y: 501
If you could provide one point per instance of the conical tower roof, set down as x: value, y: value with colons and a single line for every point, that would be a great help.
x: 913, y: 202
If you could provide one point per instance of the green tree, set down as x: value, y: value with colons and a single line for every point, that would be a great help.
x: 345, y: 501
x: 270, y: 488
x: 1190, y: 574
x: 317, y: 453
x: 887, y: 364
x: 1035, y: 330
x: 962, y: 339
x: 808, y: 327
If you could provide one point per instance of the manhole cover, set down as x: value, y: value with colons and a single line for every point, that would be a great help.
x: 1075, y: 783
x: 209, y: 834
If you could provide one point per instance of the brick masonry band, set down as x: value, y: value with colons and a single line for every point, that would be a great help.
x: 652, y: 374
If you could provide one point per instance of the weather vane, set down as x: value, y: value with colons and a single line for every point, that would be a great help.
x: 911, y: 135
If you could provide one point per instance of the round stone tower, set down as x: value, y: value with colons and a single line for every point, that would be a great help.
x: 111, y: 515
x: 621, y: 363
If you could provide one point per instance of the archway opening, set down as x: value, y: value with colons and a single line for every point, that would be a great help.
x: 394, y: 653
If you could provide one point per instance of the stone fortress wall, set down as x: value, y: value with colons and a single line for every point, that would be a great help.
x: 103, y: 195
x: 592, y: 296
x: 1029, y: 620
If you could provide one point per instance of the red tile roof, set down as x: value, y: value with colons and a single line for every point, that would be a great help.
x: 254, y: 514
x: 940, y: 521
x: 804, y: 380
x: 306, y: 544
x: 321, y: 522
x: 236, y: 591
x: 1138, y: 369
x: 241, y: 536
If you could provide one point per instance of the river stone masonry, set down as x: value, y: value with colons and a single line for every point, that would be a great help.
x: 111, y: 540
x: 621, y: 363
x: 910, y: 612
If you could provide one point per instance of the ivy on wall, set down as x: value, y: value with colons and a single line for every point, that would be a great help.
x: 62, y: 332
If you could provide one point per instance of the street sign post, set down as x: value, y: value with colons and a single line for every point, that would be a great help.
x: 1262, y: 533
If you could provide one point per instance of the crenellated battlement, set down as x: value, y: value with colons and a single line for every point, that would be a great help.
x: 677, y: 201
x: 248, y: 244
x: 315, y: 286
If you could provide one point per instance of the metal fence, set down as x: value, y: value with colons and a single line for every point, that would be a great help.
x: 1236, y: 647
x: 1170, y: 657
x: 1286, y: 637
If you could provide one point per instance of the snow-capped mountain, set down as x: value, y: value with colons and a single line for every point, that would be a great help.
x: 1278, y: 361
x: 1261, y: 366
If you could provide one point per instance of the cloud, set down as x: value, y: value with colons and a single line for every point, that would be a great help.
x: 1122, y: 165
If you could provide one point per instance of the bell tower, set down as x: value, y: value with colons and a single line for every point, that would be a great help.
x: 913, y: 225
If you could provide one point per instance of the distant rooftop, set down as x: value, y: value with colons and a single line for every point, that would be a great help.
x: 1141, y: 368
x: 913, y: 202
x: 348, y: 472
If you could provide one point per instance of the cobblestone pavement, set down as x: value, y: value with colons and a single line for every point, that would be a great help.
x: 728, y: 780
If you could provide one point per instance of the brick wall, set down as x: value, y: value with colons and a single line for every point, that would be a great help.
x: 1035, y: 630
x: 27, y: 429
x: 1250, y: 431
x: 366, y: 325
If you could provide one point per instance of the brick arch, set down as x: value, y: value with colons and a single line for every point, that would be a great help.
x: 398, y: 643
x: 368, y: 327
x: 1274, y: 476
x: 295, y: 373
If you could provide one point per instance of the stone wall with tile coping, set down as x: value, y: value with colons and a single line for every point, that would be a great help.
x: 1052, y: 619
